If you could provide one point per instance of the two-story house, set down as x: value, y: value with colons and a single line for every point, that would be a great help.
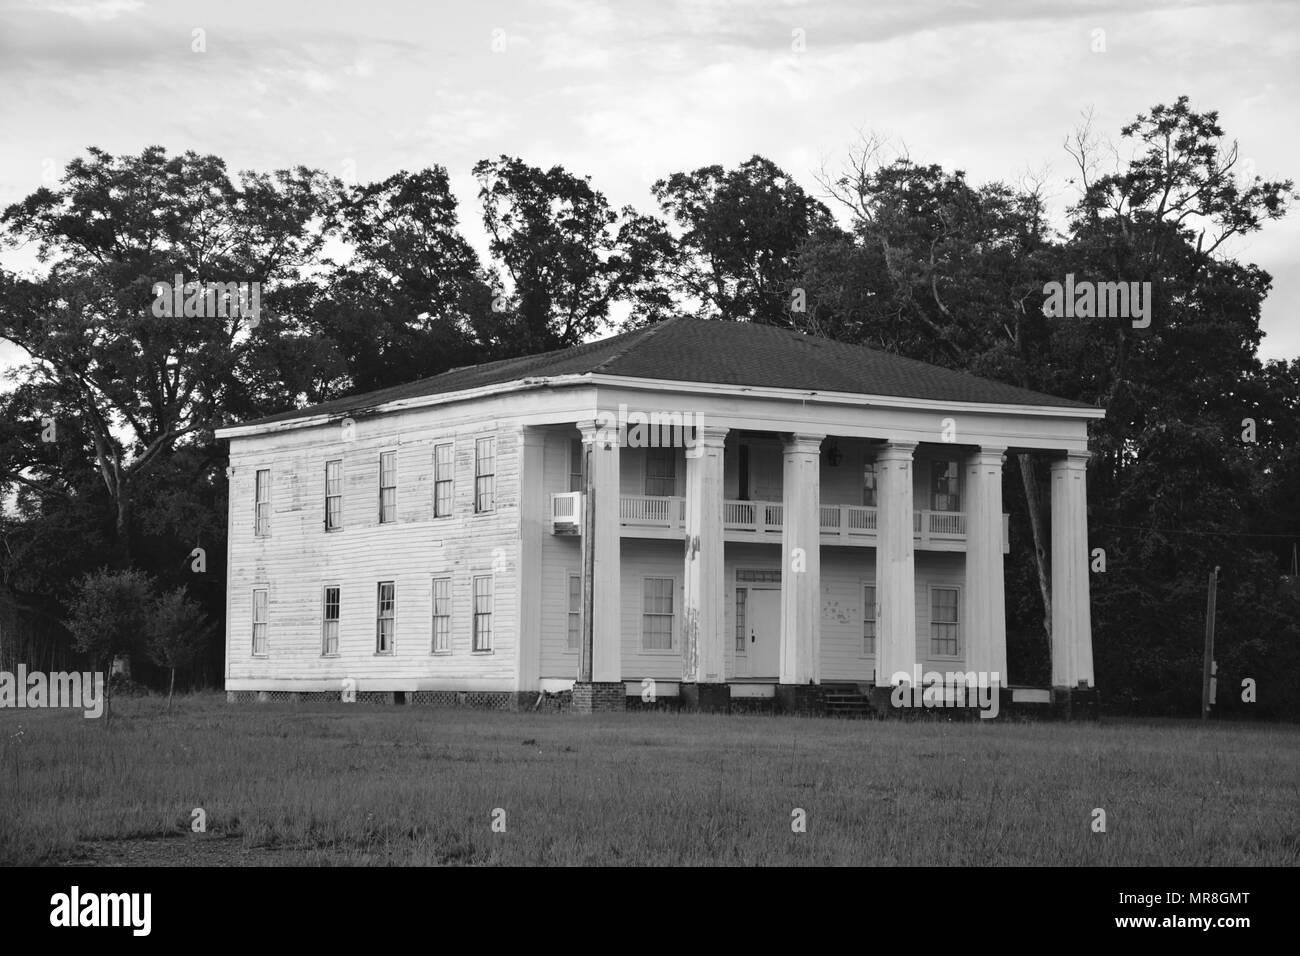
x: 769, y: 511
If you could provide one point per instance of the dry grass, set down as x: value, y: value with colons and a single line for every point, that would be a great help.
x: 359, y: 784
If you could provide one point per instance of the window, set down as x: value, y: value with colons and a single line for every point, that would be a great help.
x: 485, y: 482
x: 869, y: 484
x: 387, y: 487
x: 386, y: 619
x: 657, y: 615
x: 259, y: 622
x: 869, y: 620
x: 483, y: 612
x: 329, y: 637
x: 262, y: 496
x: 575, y: 612
x: 660, y: 472
x: 443, y: 469
x: 943, y: 486
x: 577, y: 479
x: 442, y: 615
x: 742, y: 596
x: 333, y: 494
x: 943, y: 622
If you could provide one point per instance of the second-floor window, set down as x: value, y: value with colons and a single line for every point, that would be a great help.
x: 485, y: 479
x: 262, y: 502
x: 443, y: 465
x: 869, y: 484
x: 660, y: 472
x: 333, y: 494
x: 943, y: 486
x: 577, y: 481
x: 387, y: 487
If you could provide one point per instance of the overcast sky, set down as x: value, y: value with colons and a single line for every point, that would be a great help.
x: 630, y: 91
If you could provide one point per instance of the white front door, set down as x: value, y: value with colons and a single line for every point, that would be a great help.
x: 763, y: 615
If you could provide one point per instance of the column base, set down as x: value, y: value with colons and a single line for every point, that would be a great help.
x: 706, y: 698
x: 599, y: 697
x: 806, y: 700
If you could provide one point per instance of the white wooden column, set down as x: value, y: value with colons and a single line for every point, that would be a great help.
x: 533, y: 517
x: 801, y: 560
x: 986, y: 603
x: 895, y: 563
x: 600, y: 437
x: 1071, y: 608
x: 704, y: 621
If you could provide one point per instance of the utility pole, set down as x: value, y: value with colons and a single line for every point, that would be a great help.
x: 1208, y: 668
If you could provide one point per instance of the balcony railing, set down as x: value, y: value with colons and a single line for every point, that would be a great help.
x: 761, y: 519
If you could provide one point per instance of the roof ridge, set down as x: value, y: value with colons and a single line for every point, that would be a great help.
x: 633, y: 340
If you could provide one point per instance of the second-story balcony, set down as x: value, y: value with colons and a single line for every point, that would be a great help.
x: 647, y: 516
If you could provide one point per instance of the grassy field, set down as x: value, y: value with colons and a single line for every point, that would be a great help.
x: 360, y: 784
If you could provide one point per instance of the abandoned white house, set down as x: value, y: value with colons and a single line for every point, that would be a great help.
x: 829, y: 514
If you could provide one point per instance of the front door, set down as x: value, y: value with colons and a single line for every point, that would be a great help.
x: 763, y: 616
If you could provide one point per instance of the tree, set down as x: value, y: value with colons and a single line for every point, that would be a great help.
x: 107, y: 615
x: 739, y: 234
x: 178, y: 631
x: 139, y: 383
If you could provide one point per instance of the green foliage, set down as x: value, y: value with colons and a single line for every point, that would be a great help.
x: 108, y: 614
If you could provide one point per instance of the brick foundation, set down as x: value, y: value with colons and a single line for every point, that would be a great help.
x: 1075, y: 703
x: 804, y: 700
x: 706, y: 698
x: 593, y: 697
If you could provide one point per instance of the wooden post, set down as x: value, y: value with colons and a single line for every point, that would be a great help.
x: 1207, y: 667
x: 588, y: 569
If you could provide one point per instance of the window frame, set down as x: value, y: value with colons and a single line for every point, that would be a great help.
x: 392, y: 513
x: 669, y: 455
x: 449, y: 480
x: 450, y: 614
x: 956, y: 623
x: 954, y: 486
x: 485, y: 479
x: 264, y: 623
x: 672, y: 647
x: 476, y: 614
x: 578, y: 478
x: 261, y: 523
x: 870, y: 616
x: 325, y: 620
x: 870, y: 490
x: 337, y: 495
x: 380, y: 618
x: 573, y: 616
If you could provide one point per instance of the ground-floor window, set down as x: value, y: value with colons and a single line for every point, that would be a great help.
x: 329, y: 637
x: 657, y: 614
x: 869, y: 620
x: 575, y: 612
x: 259, y: 622
x: 441, y: 615
x: 386, y: 618
x: 742, y: 596
x: 943, y: 622
x: 483, y: 612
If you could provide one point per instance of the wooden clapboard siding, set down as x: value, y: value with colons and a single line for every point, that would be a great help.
x: 299, y: 558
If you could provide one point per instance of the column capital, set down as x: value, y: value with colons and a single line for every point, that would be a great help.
x: 988, y: 455
x: 706, y: 436
x: 896, y: 451
x: 805, y: 442
x: 602, y: 429
x: 1072, y: 460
